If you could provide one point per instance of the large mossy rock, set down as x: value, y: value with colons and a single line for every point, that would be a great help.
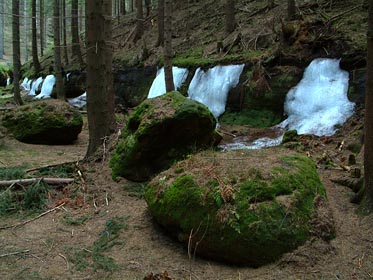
x: 160, y: 131
x: 241, y: 207
x: 51, y: 122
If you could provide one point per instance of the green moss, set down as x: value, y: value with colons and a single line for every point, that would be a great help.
x: 251, y: 117
x: 265, y: 217
x: 290, y: 136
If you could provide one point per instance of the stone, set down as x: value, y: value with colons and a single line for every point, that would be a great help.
x: 161, y: 131
x: 51, y: 122
x: 241, y: 207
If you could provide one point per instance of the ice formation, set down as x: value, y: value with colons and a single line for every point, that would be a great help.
x: 79, y: 101
x: 35, y: 85
x: 211, y: 88
x: 26, y: 84
x: 159, y: 87
x: 47, y: 88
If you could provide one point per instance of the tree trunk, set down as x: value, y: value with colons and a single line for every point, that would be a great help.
x: 139, y: 21
x: 367, y: 202
x: 35, y: 58
x: 1, y: 29
x: 75, y: 42
x: 291, y: 9
x: 41, y: 23
x: 160, y: 39
x: 16, y: 51
x: 99, y: 110
x: 148, y: 4
x: 57, y: 50
x: 25, y: 27
x: 66, y: 56
x: 169, y: 80
x: 131, y: 5
x: 230, y: 20
x: 123, y: 8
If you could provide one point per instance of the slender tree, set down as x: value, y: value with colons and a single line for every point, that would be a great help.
x: 41, y: 25
x: 123, y: 8
x: 291, y: 9
x: 16, y: 52
x: 64, y: 33
x: 230, y: 20
x: 139, y: 20
x: 160, y: 39
x: 35, y: 58
x: 367, y: 202
x: 131, y: 5
x: 57, y: 49
x: 169, y: 80
x: 1, y: 29
x: 75, y: 42
x: 100, y: 112
x: 25, y: 27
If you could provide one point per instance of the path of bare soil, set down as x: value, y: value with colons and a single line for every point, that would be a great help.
x: 51, y: 247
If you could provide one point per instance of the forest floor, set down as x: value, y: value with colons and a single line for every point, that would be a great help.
x: 104, y: 231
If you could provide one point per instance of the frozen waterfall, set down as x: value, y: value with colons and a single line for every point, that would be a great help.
x: 8, y: 81
x: 26, y: 84
x: 159, y: 87
x: 319, y: 102
x: 211, y: 88
x: 47, y: 88
x: 79, y: 101
x: 34, y: 86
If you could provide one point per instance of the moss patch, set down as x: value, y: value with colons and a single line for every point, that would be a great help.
x: 44, y: 122
x: 236, y: 211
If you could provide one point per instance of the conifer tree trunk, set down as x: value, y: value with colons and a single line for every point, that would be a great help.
x: 1, y: 29
x: 131, y: 5
x: 291, y: 9
x: 168, y: 75
x: 123, y: 8
x: 139, y: 20
x: 57, y: 49
x: 100, y: 110
x: 16, y: 52
x: 25, y: 28
x: 367, y: 202
x: 35, y: 59
x: 230, y: 20
x: 41, y: 24
x: 75, y: 42
x: 64, y: 32
x: 160, y: 39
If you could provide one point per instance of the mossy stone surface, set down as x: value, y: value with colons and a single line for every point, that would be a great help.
x: 241, y: 207
x: 51, y: 122
x: 161, y: 131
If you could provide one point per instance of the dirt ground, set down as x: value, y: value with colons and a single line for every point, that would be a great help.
x: 51, y: 248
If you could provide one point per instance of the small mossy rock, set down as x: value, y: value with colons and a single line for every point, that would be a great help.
x: 240, y: 207
x: 290, y: 136
x: 51, y: 122
x: 160, y: 131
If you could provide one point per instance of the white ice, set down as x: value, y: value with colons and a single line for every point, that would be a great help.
x: 26, y: 84
x: 159, y: 86
x: 319, y: 102
x: 34, y: 86
x: 79, y: 101
x: 47, y: 87
x: 211, y: 88
x: 8, y: 82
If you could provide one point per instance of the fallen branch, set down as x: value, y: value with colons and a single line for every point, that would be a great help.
x: 51, y: 165
x: 49, y: 181
x: 344, y: 13
x: 33, y: 219
x: 14, y: 253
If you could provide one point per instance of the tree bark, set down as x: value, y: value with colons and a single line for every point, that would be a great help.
x: 230, y: 20
x: 66, y: 56
x: 123, y: 8
x: 35, y: 58
x: 1, y: 29
x: 139, y: 21
x: 367, y: 202
x: 100, y: 112
x: 291, y: 9
x: 168, y: 75
x: 25, y: 27
x: 16, y: 52
x: 75, y: 42
x: 57, y: 50
x: 41, y: 23
x: 160, y: 40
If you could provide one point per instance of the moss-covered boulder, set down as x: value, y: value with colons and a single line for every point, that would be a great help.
x: 160, y: 131
x: 51, y: 122
x: 241, y: 207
